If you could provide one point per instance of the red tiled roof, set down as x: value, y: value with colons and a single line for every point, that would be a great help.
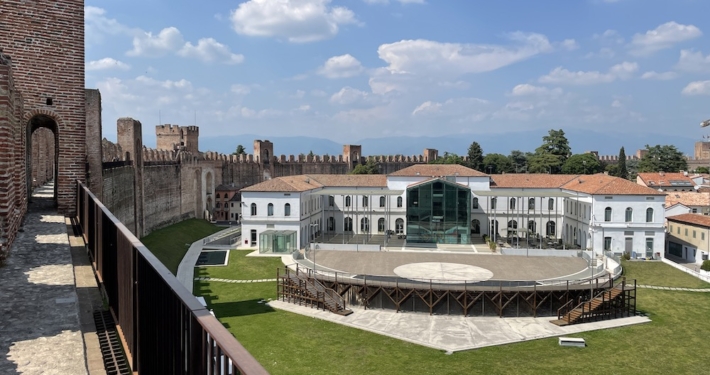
x: 663, y: 179
x: 438, y: 170
x: 300, y: 183
x: 688, y: 198
x: 530, y: 180
x: 694, y: 219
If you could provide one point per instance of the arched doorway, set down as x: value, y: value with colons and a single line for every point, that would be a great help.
x: 42, y: 157
x: 399, y: 226
x: 475, y: 227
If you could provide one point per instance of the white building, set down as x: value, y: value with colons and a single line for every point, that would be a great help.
x: 453, y: 204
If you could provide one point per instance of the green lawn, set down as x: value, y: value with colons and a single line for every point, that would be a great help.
x: 171, y: 243
x: 287, y: 343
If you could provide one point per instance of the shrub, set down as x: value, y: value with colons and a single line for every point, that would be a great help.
x: 705, y: 266
x: 492, y: 245
x: 627, y: 255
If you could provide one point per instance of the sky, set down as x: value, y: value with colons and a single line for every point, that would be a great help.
x: 348, y: 70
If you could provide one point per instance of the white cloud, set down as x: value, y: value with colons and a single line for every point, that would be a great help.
x: 106, y: 63
x: 693, y: 61
x: 529, y: 90
x: 297, y: 21
x: 97, y: 25
x: 349, y: 95
x: 697, y: 88
x: 564, y: 76
x: 429, y: 57
x: 604, y: 53
x: 459, y: 110
x: 616, y: 104
x: 662, y: 37
x: 148, y: 45
x: 665, y: 76
x: 209, y: 50
x: 569, y: 44
x: 240, y: 89
x: 399, y: 1
x: 341, y: 67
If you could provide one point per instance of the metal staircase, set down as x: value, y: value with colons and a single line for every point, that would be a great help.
x: 614, y: 302
x: 301, y: 287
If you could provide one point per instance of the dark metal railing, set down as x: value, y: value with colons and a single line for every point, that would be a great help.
x: 164, y: 329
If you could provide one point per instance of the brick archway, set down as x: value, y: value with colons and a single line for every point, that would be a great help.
x: 36, y: 120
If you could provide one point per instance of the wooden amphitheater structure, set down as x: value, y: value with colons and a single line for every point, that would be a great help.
x: 567, y: 302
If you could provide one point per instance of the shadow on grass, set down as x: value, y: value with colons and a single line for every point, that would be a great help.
x: 241, y: 308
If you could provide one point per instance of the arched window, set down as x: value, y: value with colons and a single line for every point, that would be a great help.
x: 216, y: 195
x: 331, y: 224
x: 475, y: 203
x: 607, y: 214
x: 347, y: 201
x: 532, y: 226
x: 550, y: 228
x: 382, y: 201
x: 381, y: 225
x: 364, y: 201
x: 217, y: 205
x: 649, y: 215
x: 270, y: 209
x: 287, y: 209
x: 531, y: 203
x: 512, y: 203
x: 550, y: 204
x: 513, y: 224
x: 331, y: 201
x: 253, y: 209
x: 494, y: 227
x: 364, y: 225
x: 475, y: 226
x: 399, y: 226
x: 348, y: 224
x: 399, y: 201
x: 493, y: 203
x: 629, y: 214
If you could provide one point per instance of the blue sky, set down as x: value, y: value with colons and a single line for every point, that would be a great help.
x: 347, y: 70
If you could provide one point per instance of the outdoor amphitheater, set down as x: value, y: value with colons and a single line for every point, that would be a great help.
x: 573, y: 286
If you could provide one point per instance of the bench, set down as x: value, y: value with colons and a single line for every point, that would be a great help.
x: 571, y: 341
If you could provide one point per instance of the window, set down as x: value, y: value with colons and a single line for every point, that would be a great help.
x: 253, y: 236
x: 649, y: 215
x: 550, y: 204
x: 331, y: 201
x: 693, y: 233
x: 686, y: 231
x: 216, y: 195
x: 649, y: 248
x: 493, y: 203
x: 347, y: 201
x: 331, y: 224
x: 287, y: 209
x: 232, y: 205
x: 670, y: 228
x: 702, y: 235
x: 494, y: 227
x: 348, y: 224
x: 607, y: 214
x: 550, y: 228
x: 531, y: 204
x: 513, y: 224
x: 607, y: 243
x: 512, y: 203
x: 629, y: 214
x: 475, y: 226
x: 695, y: 210
x: 399, y: 201
x: 678, y: 230
x: 381, y: 225
x: 364, y: 201
x: 216, y: 205
x: 475, y: 203
x: 253, y: 209
x: 364, y: 225
x: 270, y: 209
x: 399, y: 226
x: 532, y: 226
x: 382, y: 201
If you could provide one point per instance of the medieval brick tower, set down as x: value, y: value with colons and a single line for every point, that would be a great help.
x: 45, y: 43
x: 173, y: 137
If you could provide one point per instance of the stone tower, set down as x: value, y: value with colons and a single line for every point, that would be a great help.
x: 190, y: 137
x: 264, y: 151
x: 352, y: 154
x: 173, y: 137
x: 45, y: 41
x: 430, y: 154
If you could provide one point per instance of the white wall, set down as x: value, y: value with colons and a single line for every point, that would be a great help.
x: 262, y: 221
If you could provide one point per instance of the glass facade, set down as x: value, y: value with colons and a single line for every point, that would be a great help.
x: 277, y: 241
x: 438, y: 212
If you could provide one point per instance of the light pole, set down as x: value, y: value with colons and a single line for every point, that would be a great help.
x: 584, y: 166
x: 312, y: 226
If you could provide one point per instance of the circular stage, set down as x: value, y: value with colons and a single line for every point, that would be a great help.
x: 452, y: 268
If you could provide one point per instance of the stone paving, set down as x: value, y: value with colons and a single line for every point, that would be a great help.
x: 234, y: 281
x: 674, y: 288
x: 39, y: 322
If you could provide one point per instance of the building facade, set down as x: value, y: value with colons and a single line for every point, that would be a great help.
x: 689, y: 237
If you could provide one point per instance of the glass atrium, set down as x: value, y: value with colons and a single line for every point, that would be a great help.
x: 438, y: 211
x: 277, y: 241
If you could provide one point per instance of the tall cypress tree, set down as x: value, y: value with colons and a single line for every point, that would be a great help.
x: 623, y: 172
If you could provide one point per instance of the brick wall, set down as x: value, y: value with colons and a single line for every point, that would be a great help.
x: 118, y: 194
x: 163, y: 197
x: 46, y: 42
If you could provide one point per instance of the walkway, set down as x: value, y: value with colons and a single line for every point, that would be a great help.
x: 39, y: 313
x: 674, y: 288
x: 186, y: 269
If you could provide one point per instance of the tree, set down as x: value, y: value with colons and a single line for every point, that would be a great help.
x: 475, y: 156
x: 633, y: 168
x: 310, y: 153
x: 582, y: 164
x: 518, y: 158
x: 448, y: 158
x: 497, y: 163
x: 622, y: 171
x: 240, y: 150
x: 702, y: 170
x: 555, y: 143
x: 370, y: 167
x: 612, y: 169
x: 544, y: 163
x: 664, y: 158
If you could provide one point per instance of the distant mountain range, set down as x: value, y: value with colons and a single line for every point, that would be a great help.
x: 580, y: 141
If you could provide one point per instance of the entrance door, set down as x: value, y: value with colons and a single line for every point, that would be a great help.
x: 629, y: 245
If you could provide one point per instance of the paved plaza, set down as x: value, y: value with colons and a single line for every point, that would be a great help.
x: 39, y: 325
